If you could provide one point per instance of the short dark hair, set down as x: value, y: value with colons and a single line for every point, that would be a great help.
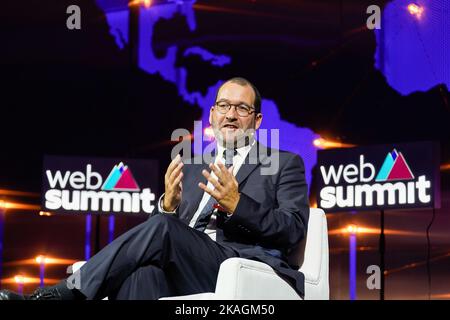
x: 244, y: 82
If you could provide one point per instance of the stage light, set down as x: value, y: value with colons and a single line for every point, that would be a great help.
x: 445, y: 167
x: 48, y: 260
x: 444, y: 296
x: 209, y: 133
x: 45, y: 213
x: 415, y: 10
x: 16, y: 205
x: 352, y: 229
x: 318, y: 142
x: 19, y: 279
x: 329, y: 144
x: 39, y: 259
x: 42, y: 259
x: 145, y: 3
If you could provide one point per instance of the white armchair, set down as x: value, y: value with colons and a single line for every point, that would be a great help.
x: 244, y: 279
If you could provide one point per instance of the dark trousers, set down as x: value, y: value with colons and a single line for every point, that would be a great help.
x: 158, y: 258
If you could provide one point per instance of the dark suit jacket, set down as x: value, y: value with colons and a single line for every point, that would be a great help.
x: 272, y: 214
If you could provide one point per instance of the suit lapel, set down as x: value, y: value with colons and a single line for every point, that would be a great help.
x: 245, y: 171
x: 194, y: 193
x: 259, y: 152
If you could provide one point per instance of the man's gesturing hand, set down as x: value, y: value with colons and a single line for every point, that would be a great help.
x: 225, y: 187
x: 173, y: 184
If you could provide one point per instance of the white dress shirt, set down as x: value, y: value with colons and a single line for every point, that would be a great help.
x: 238, y: 160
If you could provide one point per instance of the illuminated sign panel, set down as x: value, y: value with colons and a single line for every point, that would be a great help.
x: 396, y: 176
x: 99, y: 185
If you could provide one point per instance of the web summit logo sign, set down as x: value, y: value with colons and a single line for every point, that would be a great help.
x: 77, y: 185
x: 394, y: 168
x: 120, y: 179
x: 359, y: 178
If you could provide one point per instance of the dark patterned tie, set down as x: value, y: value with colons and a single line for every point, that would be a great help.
x: 207, y: 217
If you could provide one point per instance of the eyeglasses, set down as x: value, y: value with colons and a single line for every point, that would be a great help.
x: 242, y: 109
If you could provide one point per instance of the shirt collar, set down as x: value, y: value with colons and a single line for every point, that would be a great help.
x: 242, y: 151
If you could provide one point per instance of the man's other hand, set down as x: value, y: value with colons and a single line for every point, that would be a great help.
x: 173, y: 184
x: 225, y: 187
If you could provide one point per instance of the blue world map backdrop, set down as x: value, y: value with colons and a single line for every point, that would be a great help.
x: 413, y: 49
x: 410, y: 52
x: 292, y: 138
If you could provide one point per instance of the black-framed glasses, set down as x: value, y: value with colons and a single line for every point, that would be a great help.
x: 242, y: 109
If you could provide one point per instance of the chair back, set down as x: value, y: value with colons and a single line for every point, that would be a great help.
x: 311, y: 254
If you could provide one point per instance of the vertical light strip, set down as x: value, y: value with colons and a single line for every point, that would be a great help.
x: 87, y: 245
x: 111, y: 229
x: 42, y: 272
x: 20, y: 288
x: 352, y: 267
x: 2, y: 221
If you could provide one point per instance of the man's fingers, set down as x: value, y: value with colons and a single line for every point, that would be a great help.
x: 216, y: 170
x: 173, y: 164
x: 212, y: 193
x: 222, y: 168
x: 225, y: 173
x: 176, y: 172
x: 211, y: 179
x: 233, y: 178
x: 177, y: 181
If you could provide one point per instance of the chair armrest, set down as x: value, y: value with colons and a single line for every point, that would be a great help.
x: 196, y: 296
x: 315, y: 266
x: 251, y: 280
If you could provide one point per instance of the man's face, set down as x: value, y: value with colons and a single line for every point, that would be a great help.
x: 230, y: 128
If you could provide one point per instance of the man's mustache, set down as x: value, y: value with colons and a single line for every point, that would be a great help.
x: 230, y: 125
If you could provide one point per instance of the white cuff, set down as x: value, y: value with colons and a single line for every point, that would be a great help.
x: 160, y: 206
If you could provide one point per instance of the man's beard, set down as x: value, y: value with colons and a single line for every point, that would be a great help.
x: 241, y: 138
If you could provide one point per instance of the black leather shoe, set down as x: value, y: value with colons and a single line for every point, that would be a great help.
x: 9, y: 295
x: 50, y: 293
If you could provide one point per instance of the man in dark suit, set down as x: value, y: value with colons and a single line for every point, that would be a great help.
x: 251, y: 203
